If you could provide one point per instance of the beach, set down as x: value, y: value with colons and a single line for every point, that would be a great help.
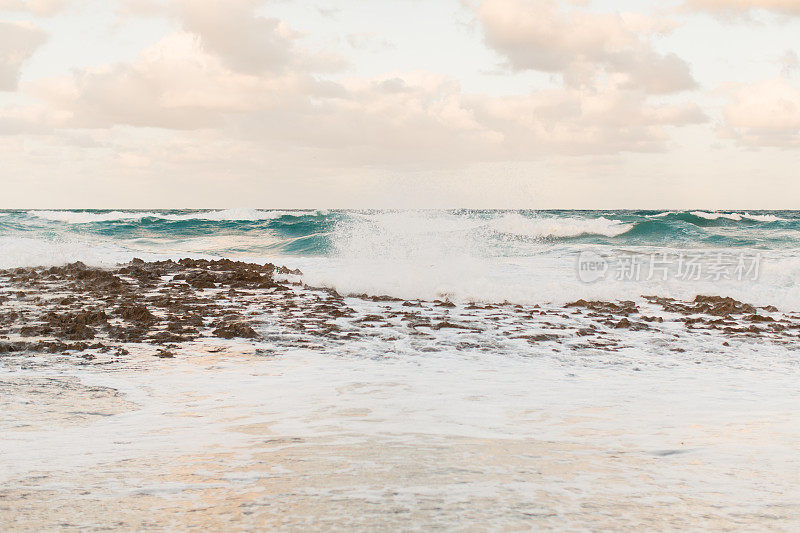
x: 227, y: 394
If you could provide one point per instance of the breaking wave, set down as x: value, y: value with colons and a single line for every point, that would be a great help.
x: 736, y: 216
x: 458, y: 254
x: 558, y: 227
x: 231, y: 215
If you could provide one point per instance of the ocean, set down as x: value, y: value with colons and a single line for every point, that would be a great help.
x: 493, y: 369
x: 490, y: 256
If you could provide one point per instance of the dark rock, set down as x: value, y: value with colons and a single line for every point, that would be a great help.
x: 284, y: 270
x: 760, y: 318
x: 136, y: 313
x: 12, y: 347
x: 622, y: 308
x: 232, y: 330
x: 201, y: 280
x: 719, y: 306
x: 451, y: 325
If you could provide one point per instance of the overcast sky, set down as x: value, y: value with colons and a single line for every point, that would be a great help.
x: 400, y: 103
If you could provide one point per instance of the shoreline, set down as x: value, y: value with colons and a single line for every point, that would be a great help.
x: 262, y: 402
x: 166, y: 305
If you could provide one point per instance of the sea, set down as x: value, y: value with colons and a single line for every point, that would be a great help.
x: 489, y: 256
x: 454, y: 430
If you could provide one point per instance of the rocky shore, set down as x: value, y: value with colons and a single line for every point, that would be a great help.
x: 160, y: 307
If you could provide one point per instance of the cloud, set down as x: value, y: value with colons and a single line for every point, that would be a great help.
x: 256, y: 88
x: 18, y: 42
x: 174, y: 84
x: 601, y: 120
x: 743, y: 7
x: 231, y: 29
x: 226, y: 60
x: 245, y: 41
x: 35, y: 7
x: 766, y: 113
x: 407, y: 119
x: 235, y: 32
x: 413, y: 118
x: 536, y: 35
x: 24, y: 120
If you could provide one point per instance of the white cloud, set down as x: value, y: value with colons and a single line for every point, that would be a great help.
x: 18, y: 42
x: 24, y: 120
x: 245, y: 41
x: 536, y: 35
x: 234, y: 31
x: 739, y: 7
x: 35, y: 7
x: 247, y: 78
x: 174, y: 84
x: 605, y: 119
x: 766, y: 113
x: 414, y: 118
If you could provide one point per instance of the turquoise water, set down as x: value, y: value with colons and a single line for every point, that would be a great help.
x: 312, y: 232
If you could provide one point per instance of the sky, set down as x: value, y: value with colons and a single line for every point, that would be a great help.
x: 560, y: 104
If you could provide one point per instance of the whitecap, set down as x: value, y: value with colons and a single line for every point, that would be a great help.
x: 763, y: 218
x: 88, y: 217
x: 225, y: 215
x: 736, y: 216
x: 558, y: 227
x: 233, y: 215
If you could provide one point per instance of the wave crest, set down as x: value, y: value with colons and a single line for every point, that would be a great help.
x: 516, y: 224
x: 736, y: 216
x: 224, y: 215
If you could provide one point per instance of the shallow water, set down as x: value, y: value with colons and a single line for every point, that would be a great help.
x: 312, y: 440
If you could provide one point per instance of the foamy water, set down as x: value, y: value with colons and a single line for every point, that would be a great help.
x: 351, y: 441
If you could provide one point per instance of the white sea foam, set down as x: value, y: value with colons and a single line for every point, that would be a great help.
x: 558, y: 227
x: 425, y: 255
x: 238, y: 214
x: 736, y: 216
x: 548, y: 278
x: 332, y: 410
x: 763, y: 218
x: 26, y: 252
x: 86, y: 217
x: 233, y: 215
